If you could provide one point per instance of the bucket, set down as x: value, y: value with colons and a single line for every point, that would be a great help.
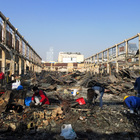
x: 74, y: 92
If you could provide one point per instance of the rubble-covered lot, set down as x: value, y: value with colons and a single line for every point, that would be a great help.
x: 113, y: 121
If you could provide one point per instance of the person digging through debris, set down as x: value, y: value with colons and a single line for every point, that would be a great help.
x: 91, y: 96
x: 99, y: 90
x: 137, y: 86
x: 133, y: 103
x: 39, y: 97
x: 95, y: 93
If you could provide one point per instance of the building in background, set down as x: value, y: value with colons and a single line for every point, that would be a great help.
x: 69, y: 57
x: 63, y: 67
x: 49, y: 55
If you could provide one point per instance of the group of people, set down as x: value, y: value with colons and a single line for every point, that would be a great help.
x: 97, y: 92
x: 132, y: 102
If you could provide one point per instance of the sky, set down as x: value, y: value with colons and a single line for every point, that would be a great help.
x: 85, y: 26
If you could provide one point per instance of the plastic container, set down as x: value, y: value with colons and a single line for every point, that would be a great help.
x: 74, y: 92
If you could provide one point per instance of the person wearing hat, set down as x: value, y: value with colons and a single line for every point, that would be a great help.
x: 39, y: 97
x: 133, y: 103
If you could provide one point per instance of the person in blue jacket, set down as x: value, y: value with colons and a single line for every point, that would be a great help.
x: 137, y: 86
x: 99, y: 90
x: 133, y: 103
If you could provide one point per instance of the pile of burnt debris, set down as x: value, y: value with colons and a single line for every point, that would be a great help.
x: 113, y: 121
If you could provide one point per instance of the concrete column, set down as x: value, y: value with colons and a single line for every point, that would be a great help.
x: 98, y: 71
x: 94, y: 64
x: 33, y: 68
x: 28, y: 62
x: 5, y: 32
x: 117, y: 65
x: 3, y: 61
x: 102, y: 57
x: 30, y: 66
x: 25, y: 50
x: 97, y: 58
x: 14, y: 40
x: 13, y: 66
x: 17, y: 66
x: 20, y: 67
x: 108, y: 68
x: 126, y: 48
x: 39, y: 69
x: 24, y: 66
x: 90, y: 65
x: 108, y: 65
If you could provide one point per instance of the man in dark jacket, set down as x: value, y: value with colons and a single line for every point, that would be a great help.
x: 39, y: 97
x: 137, y: 86
x: 133, y: 103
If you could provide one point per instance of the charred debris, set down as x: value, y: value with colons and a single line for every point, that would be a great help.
x: 18, y: 121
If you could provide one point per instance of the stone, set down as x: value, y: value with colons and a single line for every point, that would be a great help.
x: 47, y: 117
x: 59, y: 110
x: 45, y: 122
x: 52, y: 123
x: 41, y: 115
x: 47, y: 112
x: 13, y: 126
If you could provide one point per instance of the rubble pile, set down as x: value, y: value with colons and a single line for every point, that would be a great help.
x: 113, y: 121
x: 121, y: 82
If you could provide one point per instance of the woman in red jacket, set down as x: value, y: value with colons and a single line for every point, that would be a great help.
x: 39, y: 97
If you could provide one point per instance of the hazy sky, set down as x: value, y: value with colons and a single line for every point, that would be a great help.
x: 86, y: 26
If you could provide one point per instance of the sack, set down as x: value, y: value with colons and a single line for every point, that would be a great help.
x: 16, y: 84
x: 28, y: 100
x: 67, y: 132
x: 20, y: 87
x: 81, y: 101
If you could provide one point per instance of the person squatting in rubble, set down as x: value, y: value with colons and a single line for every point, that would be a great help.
x: 133, y: 103
x: 39, y: 97
x: 137, y: 86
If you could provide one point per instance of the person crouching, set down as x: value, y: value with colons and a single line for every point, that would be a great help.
x: 39, y: 97
x: 133, y: 103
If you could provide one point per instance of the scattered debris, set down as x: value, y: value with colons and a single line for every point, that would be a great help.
x: 113, y: 121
